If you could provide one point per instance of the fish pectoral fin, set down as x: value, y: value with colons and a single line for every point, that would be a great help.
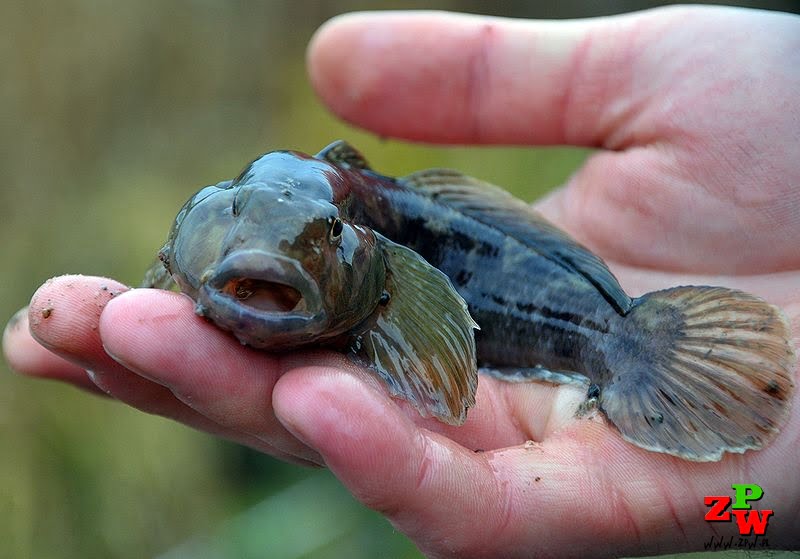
x: 158, y: 277
x: 342, y: 153
x: 494, y: 206
x: 421, y: 340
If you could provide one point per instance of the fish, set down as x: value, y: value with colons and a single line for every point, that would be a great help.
x: 430, y: 278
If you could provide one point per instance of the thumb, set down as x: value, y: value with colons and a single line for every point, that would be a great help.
x: 431, y: 488
x: 445, y: 77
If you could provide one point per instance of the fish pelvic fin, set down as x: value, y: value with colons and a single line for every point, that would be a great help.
x: 700, y: 371
x: 537, y: 374
x: 421, y: 339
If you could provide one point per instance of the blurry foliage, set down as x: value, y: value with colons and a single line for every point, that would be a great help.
x: 112, y: 114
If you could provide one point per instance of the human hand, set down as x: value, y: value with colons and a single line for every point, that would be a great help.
x: 697, y: 175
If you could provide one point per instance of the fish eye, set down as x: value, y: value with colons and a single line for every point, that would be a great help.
x: 335, y: 231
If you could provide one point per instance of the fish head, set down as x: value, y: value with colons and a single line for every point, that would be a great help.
x: 271, y: 258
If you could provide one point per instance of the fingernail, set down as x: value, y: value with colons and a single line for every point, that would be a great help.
x: 97, y: 381
x: 16, y: 321
x: 118, y: 359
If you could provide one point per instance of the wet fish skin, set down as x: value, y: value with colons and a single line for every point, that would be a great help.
x: 273, y: 257
x: 252, y: 223
x: 689, y: 371
x: 532, y: 311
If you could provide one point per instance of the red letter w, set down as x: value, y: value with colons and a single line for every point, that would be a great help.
x: 749, y: 521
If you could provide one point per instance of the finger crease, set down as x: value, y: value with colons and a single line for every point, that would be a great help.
x: 424, y: 464
x: 477, y: 84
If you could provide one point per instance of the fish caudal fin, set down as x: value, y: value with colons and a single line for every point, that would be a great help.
x: 699, y: 371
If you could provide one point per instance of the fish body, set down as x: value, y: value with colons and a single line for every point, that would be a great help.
x: 533, y: 308
x: 301, y: 250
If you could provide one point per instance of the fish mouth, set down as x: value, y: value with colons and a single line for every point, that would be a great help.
x: 265, y: 296
x: 267, y: 300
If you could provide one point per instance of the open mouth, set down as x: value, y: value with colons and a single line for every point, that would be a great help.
x: 266, y: 300
x: 256, y: 286
x: 266, y: 296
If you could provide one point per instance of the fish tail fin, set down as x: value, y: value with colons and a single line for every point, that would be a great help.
x: 699, y: 371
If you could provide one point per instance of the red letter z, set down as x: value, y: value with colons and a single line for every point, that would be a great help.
x: 718, y: 512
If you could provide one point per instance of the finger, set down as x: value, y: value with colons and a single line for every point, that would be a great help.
x: 64, y: 317
x: 455, y: 78
x: 64, y: 312
x: 233, y: 385
x: 385, y: 460
x: 702, y: 175
x: 26, y: 356
x: 202, y: 366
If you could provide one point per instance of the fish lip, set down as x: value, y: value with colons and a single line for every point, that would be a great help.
x: 261, y: 328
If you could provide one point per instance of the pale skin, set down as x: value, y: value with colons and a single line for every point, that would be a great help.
x: 697, y: 182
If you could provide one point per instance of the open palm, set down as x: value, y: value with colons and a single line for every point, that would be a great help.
x: 696, y: 114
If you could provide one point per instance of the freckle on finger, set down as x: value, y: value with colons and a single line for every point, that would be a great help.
x: 65, y: 312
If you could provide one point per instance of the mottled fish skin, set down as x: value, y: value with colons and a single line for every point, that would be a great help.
x: 273, y: 257
x: 689, y: 371
x: 532, y: 311
x: 692, y: 371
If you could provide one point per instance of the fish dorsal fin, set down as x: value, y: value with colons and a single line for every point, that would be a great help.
x: 342, y: 153
x: 421, y: 340
x: 496, y: 208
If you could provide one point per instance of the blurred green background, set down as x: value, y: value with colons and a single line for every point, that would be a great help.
x: 112, y: 114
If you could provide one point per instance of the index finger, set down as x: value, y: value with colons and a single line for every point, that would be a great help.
x: 456, y: 78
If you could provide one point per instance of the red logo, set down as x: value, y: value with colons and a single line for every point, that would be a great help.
x: 748, y: 520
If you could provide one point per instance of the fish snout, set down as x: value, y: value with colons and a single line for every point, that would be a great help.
x: 268, y: 300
